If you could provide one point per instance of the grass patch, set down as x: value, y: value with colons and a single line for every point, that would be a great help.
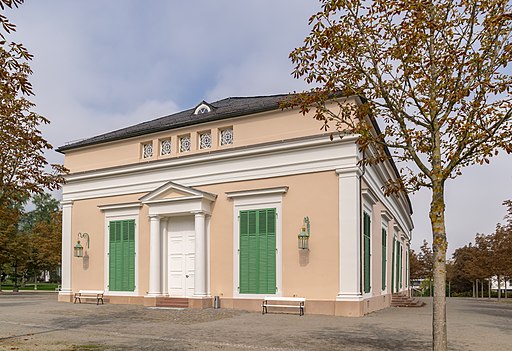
x: 41, y: 286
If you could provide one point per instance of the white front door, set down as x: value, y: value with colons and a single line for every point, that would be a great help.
x: 181, y: 253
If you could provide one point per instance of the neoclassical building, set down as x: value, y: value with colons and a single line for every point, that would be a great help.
x: 235, y: 198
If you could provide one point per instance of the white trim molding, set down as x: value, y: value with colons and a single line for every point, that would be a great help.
x: 257, y: 192
x: 67, y: 247
x: 318, y: 154
x: 120, y: 214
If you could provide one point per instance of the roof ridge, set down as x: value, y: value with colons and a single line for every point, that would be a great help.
x: 256, y: 96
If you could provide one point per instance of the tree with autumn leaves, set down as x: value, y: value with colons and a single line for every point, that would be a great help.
x: 433, y: 74
x: 489, y: 258
x: 32, y: 243
x: 421, y: 264
x: 24, y: 170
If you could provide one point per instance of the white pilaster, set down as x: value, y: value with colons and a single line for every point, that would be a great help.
x: 155, y: 262
x: 67, y: 247
x: 164, y: 223
x: 349, y: 234
x: 200, y: 276
x: 208, y: 267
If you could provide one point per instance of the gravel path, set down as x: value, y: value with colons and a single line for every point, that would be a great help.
x: 38, y: 322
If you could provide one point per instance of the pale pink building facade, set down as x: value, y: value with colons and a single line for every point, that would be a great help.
x: 210, y: 201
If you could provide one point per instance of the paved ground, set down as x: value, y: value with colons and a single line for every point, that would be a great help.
x: 38, y: 322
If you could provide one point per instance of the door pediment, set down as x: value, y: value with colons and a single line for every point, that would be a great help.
x: 172, y: 198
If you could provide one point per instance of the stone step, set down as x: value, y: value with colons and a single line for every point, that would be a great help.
x: 408, y: 304
x: 399, y: 300
x: 176, y: 302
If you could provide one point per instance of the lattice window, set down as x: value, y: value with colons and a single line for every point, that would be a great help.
x: 205, y: 140
x: 147, y: 150
x: 226, y: 136
x: 165, y: 147
x: 185, y: 144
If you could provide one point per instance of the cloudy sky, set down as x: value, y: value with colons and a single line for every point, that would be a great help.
x: 104, y: 65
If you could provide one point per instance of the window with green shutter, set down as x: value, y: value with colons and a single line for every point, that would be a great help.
x: 122, y: 255
x: 367, y: 254
x: 384, y: 258
x: 258, y: 251
x: 393, y: 266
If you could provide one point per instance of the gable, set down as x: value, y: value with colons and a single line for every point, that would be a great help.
x: 174, y: 191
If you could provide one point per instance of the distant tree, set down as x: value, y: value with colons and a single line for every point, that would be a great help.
x: 45, y: 206
x: 434, y: 73
x: 463, y: 275
x: 41, y: 229
x: 501, y: 246
x: 426, y: 258
x: 416, y: 269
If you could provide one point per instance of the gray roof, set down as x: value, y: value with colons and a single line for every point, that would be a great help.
x: 222, y: 109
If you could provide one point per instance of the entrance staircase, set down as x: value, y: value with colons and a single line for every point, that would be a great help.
x: 172, y: 302
x: 400, y: 300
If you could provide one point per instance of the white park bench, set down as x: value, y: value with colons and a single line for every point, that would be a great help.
x: 89, y: 294
x: 283, y: 302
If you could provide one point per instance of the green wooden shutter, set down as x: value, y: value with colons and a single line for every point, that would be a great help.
x: 367, y: 224
x: 253, y: 252
x: 112, y: 256
x: 122, y: 255
x: 400, y: 270
x: 257, y: 252
x: 268, y: 279
x: 393, y: 267
x: 384, y: 258
x: 397, y: 265
x: 244, y: 251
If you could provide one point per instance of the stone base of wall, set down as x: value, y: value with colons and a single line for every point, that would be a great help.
x: 321, y: 307
x: 65, y: 297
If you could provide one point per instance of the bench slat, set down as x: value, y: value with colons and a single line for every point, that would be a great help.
x: 286, y: 306
x: 275, y: 301
x: 89, y: 294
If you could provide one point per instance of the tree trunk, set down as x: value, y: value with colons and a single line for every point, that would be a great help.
x: 474, y: 289
x: 499, y: 288
x: 35, y: 281
x: 439, y: 247
x: 482, y: 288
x: 489, y: 288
